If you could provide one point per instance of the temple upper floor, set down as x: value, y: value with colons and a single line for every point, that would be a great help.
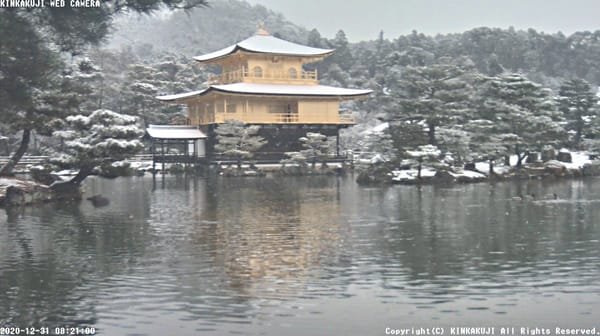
x: 266, y: 59
x: 265, y: 69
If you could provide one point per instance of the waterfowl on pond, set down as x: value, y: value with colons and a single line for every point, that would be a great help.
x: 99, y: 200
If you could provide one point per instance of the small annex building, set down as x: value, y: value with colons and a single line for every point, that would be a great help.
x: 189, y: 141
x: 263, y: 82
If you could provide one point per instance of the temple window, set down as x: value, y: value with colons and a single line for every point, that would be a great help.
x: 231, y: 108
x: 258, y: 71
x: 292, y: 73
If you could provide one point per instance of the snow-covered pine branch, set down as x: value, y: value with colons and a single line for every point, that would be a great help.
x: 99, y: 139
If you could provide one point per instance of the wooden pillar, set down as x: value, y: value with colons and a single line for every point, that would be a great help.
x: 162, y: 148
x: 337, y: 143
x: 153, y: 156
x: 195, y: 142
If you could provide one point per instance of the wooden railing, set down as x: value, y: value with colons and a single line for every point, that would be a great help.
x: 26, y: 160
x: 267, y: 76
x: 278, y: 118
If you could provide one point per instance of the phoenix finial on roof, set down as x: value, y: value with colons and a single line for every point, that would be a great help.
x: 261, y: 29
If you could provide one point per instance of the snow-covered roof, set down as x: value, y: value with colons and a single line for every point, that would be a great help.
x: 174, y: 132
x: 181, y: 95
x: 273, y: 90
x: 265, y: 44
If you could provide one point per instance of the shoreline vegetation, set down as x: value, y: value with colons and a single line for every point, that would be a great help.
x: 20, y: 191
x: 571, y: 165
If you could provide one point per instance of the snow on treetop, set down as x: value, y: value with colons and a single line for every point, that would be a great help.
x: 116, y: 144
x: 78, y: 145
x: 147, y: 87
x: 426, y: 150
x: 129, y: 131
x: 79, y: 120
x: 378, y: 129
x: 114, y: 117
x: 101, y: 116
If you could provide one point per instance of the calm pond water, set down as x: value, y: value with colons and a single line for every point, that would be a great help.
x: 303, y: 256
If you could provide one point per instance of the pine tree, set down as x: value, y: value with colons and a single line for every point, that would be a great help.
x: 437, y: 94
x: 524, y: 115
x: 455, y: 141
x: 316, y: 147
x: 140, y: 88
x: 485, y: 144
x: 32, y: 53
x: 380, y: 144
x: 314, y: 39
x: 342, y: 55
x: 96, y: 140
x: 238, y: 140
x: 424, y: 154
x: 33, y: 110
x: 406, y: 135
x: 90, y: 78
x: 144, y: 82
x: 580, y: 106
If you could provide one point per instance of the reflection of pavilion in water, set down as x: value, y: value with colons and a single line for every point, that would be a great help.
x: 264, y: 241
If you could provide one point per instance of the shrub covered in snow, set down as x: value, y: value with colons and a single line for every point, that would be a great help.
x: 237, y: 140
x: 97, y: 140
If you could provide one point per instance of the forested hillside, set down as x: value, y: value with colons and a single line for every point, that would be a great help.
x: 203, y: 30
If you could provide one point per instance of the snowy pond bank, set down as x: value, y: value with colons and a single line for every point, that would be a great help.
x: 15, y: 191
x: 579, y: 165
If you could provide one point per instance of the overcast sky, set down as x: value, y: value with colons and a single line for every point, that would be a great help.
x: 363, y: 19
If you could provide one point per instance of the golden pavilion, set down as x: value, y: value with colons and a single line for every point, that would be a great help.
x: 263, y: 82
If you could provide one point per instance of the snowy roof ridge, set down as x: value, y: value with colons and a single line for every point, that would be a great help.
x: 174, y: 132
x: 180, y: 95
x: 154, y: 126
x: 265, y: 44
x: 274, y: 89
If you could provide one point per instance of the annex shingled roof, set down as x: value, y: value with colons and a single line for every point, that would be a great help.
x: 180, y: 132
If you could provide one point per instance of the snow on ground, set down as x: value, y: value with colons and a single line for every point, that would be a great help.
x: 66, y: 172
x: 376, y: 129
x: 411, y: 174
x: 17, y: 183
x: 142, y: 165
x: 484, y: 167
x: 468, y: 174
x: 579, y: 160
x: 10, y: 182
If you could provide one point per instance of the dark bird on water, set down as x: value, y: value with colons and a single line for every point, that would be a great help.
x: 99, y: 201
